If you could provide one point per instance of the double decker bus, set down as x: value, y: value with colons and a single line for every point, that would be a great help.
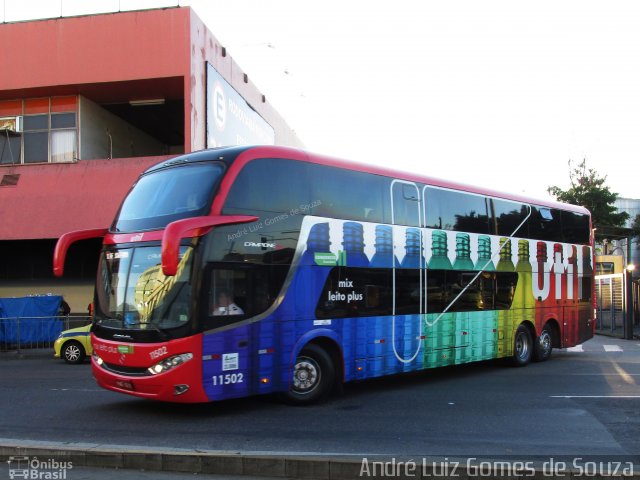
x: 250, y: 270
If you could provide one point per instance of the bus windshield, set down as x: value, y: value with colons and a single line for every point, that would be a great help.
x: 167, y: 195
x: 133, y: 293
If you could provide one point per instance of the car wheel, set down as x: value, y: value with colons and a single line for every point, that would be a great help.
x: 522, y: 347
x: 313, y: 376
x: 543, y: 346
x: 73, y: 352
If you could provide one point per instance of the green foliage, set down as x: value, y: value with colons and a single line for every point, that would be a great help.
x: 588, y: 189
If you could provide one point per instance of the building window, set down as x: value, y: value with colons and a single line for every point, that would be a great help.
x: 10, y: 147
x: 49, y: 132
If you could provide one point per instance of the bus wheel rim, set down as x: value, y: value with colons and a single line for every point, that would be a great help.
x: 522, y: 346
x: 545, y: 341
x: 306, y: 375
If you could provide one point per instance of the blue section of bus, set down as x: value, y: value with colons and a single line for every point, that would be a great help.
x: 258, y: 357
x: 265, y: 351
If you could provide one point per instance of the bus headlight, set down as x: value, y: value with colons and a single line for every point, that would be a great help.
x: 169, y: 363
x: 97, y: 359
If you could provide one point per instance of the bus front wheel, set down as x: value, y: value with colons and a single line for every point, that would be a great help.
x: 313, y: 376
x: 522, y: 347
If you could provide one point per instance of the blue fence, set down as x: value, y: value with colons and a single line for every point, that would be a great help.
x: 30, y: 321
x: 35, y: 332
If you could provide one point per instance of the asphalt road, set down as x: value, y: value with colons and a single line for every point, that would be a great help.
x: 581, y: 402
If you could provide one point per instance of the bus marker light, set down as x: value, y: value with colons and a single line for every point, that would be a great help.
x: 379, y: 341
x: 264, y: 380
x: 266, y: 350
x: 360, y: 369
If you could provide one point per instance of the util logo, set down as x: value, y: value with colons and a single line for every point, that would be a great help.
x: 563, y: 278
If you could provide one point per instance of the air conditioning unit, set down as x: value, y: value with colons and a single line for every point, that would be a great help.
x: 11, y: 124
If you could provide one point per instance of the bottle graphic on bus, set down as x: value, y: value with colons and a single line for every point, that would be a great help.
x: 413, y: 257
x: 542, y: 283
x: 505, y: 292
x: 317, y: 243
x: 353, y: 244
x: 524, y: 291
x: 487, y: 322
x: 384, y: 257
x: 313, y: 270
x: 439, y: 251
x: 484, y: 262
x: 463, y: 253
x: 467, y: 295
x: 440, y: 333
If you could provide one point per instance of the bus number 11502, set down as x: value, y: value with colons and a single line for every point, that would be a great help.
x: 227, y: 379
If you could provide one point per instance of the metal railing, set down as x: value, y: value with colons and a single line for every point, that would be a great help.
x: 610, y: 293
x: 617, y: 298
x: 21, y: 333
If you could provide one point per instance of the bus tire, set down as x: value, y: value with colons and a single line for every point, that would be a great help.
x: 312, y: 377
x: 543, y: 345
x: 522, y: 347
x: 73, y: 352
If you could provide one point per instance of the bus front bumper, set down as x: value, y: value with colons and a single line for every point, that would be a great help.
x: 182, y: 384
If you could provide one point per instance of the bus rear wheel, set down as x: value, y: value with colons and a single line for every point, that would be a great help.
x: 522, y: 347
x: 544, y: 345
x: 313, y: 376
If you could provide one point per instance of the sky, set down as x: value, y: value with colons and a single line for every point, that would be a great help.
x: 497, y: 93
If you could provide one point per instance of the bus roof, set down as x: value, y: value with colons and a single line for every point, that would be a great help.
x: 237, y: 157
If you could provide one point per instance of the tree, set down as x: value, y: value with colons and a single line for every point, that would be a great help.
x: 588, y: 190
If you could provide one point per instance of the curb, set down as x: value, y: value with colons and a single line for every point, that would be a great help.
x: 304, y: 465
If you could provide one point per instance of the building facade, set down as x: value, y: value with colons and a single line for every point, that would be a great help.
x: 89, y: 102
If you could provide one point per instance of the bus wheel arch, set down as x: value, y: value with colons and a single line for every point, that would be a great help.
x: 548, y: 339
x: 317, y: 370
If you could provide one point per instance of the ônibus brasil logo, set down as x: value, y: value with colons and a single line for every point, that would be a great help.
x: 33, y: 468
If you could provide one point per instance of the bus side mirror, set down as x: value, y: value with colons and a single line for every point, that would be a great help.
x: 194, y: 227
x: 68, y: 239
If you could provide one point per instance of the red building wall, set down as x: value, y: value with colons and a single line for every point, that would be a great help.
x: 95, y: 49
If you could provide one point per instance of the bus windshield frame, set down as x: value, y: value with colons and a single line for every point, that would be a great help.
x: 169, y: 194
